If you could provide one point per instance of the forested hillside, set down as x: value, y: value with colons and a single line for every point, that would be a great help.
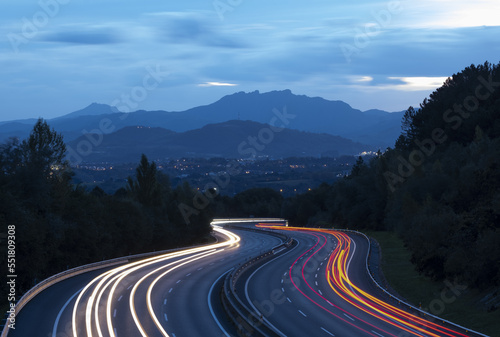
x: 60, y: 226
x: 438, y: 188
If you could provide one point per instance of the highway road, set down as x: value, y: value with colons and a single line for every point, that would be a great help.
x: 168, y: 295
x: 320, y: 287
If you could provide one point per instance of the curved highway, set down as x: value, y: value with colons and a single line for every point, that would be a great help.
x: 320, y: 287
x: 168, y: 295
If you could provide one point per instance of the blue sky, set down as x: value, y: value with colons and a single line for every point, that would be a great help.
x: 58, y: 56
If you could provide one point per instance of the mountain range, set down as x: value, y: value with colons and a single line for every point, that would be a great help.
x: 374, y: 128
x: 232, y: 139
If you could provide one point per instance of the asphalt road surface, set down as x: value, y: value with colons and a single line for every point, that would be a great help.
x: 320, y: 287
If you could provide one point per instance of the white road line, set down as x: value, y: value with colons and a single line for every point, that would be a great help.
x: 115, y: 332
x: 165, y: 302
x: 282, y: 289
x: 166, y: 317
x: 130, y: 286
x: 352, y: 319
x: 170, y: 290
x: 303, y: 313
x: 319, y: 291
x: 316, y: 276
x: 56, y: 323
x: 199, y: 268
x: 178, y: 282
x: 330, y: 303
x: 376, y: 333
x: 120, y: 298
x: 289, y: 300
x: 114, y: 313
x: 188, y: 275
x: 316, y: 283
x: 210, y: 304
x: 328, y: 332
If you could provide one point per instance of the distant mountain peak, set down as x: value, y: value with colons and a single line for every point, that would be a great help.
x: 93, y: 109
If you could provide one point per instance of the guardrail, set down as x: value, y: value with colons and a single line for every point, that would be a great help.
x: 247, y: 322
x: 408, y: 305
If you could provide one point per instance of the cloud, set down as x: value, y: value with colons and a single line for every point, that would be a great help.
x: 194, y: 28
x: 217, y: 84
x: 87, y: 36
x: 452, y: 13
x: 418, y: 83
x: 362, y: 79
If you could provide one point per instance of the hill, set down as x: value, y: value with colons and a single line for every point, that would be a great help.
x: 232, y: 139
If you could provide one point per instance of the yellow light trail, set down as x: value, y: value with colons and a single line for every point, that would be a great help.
x: 337, y: 275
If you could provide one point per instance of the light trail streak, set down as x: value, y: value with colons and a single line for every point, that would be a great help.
x: 96, y: 289
x: 337, y: 276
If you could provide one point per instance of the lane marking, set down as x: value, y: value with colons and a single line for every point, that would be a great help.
x: 178, y: 282
x: 115, y: 332
x: 130, y: 286
x: 120, y: 298
x: 165, y: 302
x: 282, y: 289
x: 210, y: 304
x: 303, y: 313
x: 328, y: 332
x: 114, y: 313
x: 56, y: 323
x: 248, y: 297
x: 319, y: 291
x: 166, y: 317
x: 188, y: 275
x: 289, y: 300
x: 170, y: 290
x: 199, y: 268
x: 352, y: 319
x: 375, y: 332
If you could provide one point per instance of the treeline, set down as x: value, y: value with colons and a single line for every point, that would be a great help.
x: 439, y: 187
x: 59, y: 225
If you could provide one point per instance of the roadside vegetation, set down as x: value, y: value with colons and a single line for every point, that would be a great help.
x: 452, y: 301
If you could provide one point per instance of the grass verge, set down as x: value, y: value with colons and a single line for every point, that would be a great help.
x: 460, y: 305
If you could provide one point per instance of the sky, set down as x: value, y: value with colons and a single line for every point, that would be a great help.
x: 58, y: 56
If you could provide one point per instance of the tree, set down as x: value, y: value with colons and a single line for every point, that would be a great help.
x: 44, y: 150
x: 42, y: 170
x: 145, y: 188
